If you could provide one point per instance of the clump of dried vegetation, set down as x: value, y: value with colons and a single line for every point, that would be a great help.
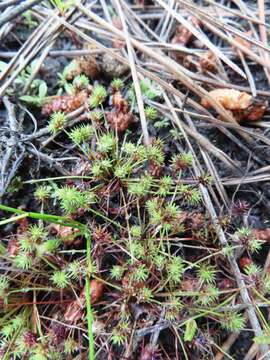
x: 136, y: 230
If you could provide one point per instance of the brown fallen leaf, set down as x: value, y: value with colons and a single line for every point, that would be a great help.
x: 230, y: 99
x: 74, y: 312
x: 68, y: 235
x: 13, y: 247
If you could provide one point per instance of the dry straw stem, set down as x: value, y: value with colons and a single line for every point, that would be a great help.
x: 263, y: 35
x: 134, y: 74
x: 233, y: 12
x: 180, y: 73
x: 201, y: 37
x: 190, y: 130
x: 226, y: 346
x: 228, y: 28
x: 200, y: 139
x: 42, y: 37
x: 204, y: 142
x: 233, y: 263
x: 24, y: 50
x: 17, y: 11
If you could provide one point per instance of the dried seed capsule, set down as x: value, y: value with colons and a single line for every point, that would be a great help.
x: 262, y: 234
x: 96, y: 290
x: 119, y: 121
x: 244, y: 262
x: 182, y: 34
x: 65, y: 103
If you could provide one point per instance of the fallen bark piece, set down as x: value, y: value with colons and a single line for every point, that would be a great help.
x: 230, y: 99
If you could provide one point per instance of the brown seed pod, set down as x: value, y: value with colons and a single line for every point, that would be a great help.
x: 119, y: 120
x: 155, y: 170
x: 67, y: 234
x: 244, y: 262
x: 75, y: 309
x: 230, y: 99
x: 208, y: 62
x: 112, y: 67
x: 183, y: 35
x: 149, y: 352
x: 96, y: 290
x: 262, y: 234
x: 65, y: 103
x: 119, y: 102
x: 88, y: 66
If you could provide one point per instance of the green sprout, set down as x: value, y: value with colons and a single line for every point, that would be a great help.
x: 117, y: 84
x: 98, y: 96
x: 60, y: 279
x: 81, y: 134
x: 57, y: 122
x: 150, y: 113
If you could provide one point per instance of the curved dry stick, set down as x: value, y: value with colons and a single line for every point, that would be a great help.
x: 18, y: 10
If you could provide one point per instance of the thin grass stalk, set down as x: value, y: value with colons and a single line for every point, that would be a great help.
x: 91, y: 351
